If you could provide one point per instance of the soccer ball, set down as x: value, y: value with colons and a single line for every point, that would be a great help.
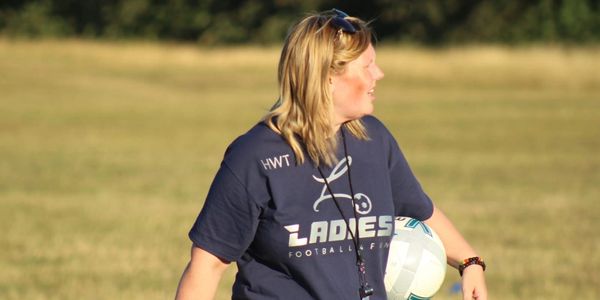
x: 416, y: 263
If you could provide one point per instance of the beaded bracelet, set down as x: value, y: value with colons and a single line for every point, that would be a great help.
x: 470, y: 261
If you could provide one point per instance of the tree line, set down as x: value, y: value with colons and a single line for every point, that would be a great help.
x: 430, y: 22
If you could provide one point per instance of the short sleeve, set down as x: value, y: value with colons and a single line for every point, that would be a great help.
x: 227, y: 223
x: 409, y: 198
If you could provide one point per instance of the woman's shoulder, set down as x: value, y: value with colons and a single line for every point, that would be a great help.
x: 375, y: 127
x: 253, y: 145
x: 372, y: 121
x: 260, y: 136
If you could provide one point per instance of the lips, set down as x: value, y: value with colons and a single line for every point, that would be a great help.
x: 371, y: 92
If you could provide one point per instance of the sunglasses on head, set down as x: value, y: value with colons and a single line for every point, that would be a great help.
x: 339, y: 21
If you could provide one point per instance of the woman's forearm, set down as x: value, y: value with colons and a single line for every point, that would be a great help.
x: 457, y: 248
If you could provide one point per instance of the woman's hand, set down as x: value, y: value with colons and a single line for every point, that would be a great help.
x: 473, y: 283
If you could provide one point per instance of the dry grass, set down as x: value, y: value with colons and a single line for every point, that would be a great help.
x: 482, y: 67
x: 108, y: 149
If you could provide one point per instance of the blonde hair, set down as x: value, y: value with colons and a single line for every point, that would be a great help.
x: 313, y: 51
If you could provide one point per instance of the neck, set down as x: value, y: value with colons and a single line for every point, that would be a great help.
x: 336, y: 128
x: 337, y: 125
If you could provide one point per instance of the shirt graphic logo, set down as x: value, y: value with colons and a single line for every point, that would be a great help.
x: 362, y: 203
x: 334, y: 236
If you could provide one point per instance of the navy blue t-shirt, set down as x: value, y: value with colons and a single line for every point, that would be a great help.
x: 279, y: 223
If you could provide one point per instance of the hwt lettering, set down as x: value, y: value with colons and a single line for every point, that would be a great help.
x: 276, y: 162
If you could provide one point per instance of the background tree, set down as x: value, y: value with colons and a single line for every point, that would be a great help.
x: 432, y: 22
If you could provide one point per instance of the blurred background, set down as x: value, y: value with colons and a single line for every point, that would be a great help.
x: 210, y: 22
x: 114, y: 116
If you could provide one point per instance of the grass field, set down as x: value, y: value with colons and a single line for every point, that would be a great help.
x: 107, y: 151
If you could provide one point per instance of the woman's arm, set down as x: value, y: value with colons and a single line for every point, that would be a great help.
x: 458, y: 249
x: 201, y: 277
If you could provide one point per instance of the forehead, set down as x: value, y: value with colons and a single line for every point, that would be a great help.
x: 367, y: 55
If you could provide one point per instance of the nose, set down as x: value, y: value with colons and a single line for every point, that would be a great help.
x: 378, y: 73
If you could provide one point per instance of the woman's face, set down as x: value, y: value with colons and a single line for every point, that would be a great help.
x: 353, y: 90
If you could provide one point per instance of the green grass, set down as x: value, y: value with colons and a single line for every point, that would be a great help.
x: 107, y: 150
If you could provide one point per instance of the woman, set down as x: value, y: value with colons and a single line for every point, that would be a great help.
x: 304, y: 201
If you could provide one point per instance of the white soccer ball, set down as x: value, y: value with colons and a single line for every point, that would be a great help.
x: 416, y: 264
